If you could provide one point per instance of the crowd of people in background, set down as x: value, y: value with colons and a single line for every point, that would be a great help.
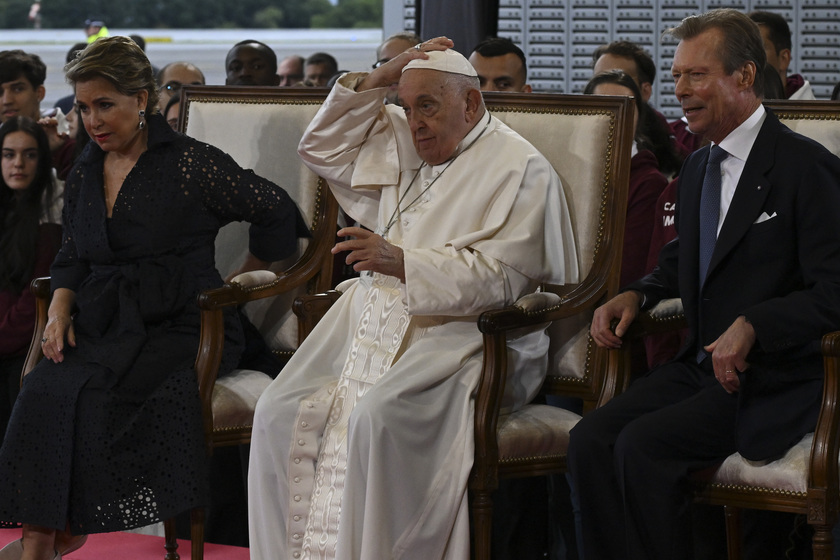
x: 42, y: 147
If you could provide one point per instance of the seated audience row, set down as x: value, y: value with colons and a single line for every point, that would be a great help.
x: 30, y: 234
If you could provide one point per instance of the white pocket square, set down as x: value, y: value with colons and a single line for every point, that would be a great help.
x: 764, y: 217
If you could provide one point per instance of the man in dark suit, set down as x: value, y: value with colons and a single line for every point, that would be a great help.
x: 749, y: 377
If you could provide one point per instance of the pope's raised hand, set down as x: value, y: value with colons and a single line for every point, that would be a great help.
x: 390, y: 72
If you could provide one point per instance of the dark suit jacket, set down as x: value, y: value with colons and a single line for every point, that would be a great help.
x: 782, y: 274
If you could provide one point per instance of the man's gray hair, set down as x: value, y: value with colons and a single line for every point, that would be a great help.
x: 742, y: 40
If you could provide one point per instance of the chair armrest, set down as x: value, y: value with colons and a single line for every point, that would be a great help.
x: 254, y: 279
x: 666, y: 316
x: 246, y: 287
x: 531, y: 311
x: 249, y: 286
x: 40, y: 288
x: 535, y: 309
x: 310, y: 309
x: 823, y: 470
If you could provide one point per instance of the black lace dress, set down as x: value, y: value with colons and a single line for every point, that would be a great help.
x: 111, y: 438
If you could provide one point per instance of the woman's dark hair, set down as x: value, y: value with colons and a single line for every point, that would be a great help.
x: 174, y: 100
x: 651, y: 133
x: 21, y: 211
x: 618, y: 77
x: 774, y: 88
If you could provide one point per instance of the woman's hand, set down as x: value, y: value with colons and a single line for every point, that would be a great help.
x: 59, y: 326
x: 52, y: 343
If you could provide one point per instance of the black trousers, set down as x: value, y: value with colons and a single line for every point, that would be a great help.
x: 630, y: 461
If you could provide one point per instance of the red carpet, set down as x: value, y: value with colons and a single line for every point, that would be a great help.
x: 131, y: 546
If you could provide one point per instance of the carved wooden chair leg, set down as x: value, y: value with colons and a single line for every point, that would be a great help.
x: 734, y: 535
x: 482, y: 511
x: 170, y: 542
x: 823, y: 543
x: 197, y: 533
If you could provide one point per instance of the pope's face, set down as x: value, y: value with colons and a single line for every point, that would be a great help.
x: 436, y: 114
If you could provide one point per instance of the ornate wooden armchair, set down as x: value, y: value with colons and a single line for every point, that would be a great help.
x: 806, y: 480
x: 587, y: 139
x: 260, y: 128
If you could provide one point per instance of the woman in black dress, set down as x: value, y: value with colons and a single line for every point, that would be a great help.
x: 106, y: 434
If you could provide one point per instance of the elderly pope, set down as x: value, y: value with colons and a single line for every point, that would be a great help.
x: 363, y: 445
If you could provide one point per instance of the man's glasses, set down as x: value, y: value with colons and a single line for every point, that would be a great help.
x: 380, y: 62
x: 174, y: 87
x: 171, y: 87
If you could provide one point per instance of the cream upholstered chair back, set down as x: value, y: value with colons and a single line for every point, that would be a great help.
x: 580, y: 136
x: 819, y: 120
x: 587, y: 139
x: 261, y: 128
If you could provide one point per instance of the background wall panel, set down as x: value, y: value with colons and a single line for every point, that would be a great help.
x: 559, y: 36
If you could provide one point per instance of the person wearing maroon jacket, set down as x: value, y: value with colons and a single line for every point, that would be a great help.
x: 646, y: 184
x: 646, y: 181
x: 30, y: 235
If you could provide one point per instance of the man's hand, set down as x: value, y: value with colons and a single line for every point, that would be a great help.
x: 624, y: 307
x: 390, y: 72
x: 729, y: 353
x: 369, y: 251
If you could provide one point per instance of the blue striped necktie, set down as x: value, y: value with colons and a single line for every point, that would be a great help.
x: 709, y: 218
x: 710, y: 209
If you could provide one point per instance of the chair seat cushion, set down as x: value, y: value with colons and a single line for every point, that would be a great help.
x: 788, y: 473
x: 235, y: 398
x: 535, y: 430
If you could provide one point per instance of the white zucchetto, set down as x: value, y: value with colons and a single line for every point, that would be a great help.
x: 444, y: 61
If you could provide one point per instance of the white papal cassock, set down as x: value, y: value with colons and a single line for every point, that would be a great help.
x: 363, y: 444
